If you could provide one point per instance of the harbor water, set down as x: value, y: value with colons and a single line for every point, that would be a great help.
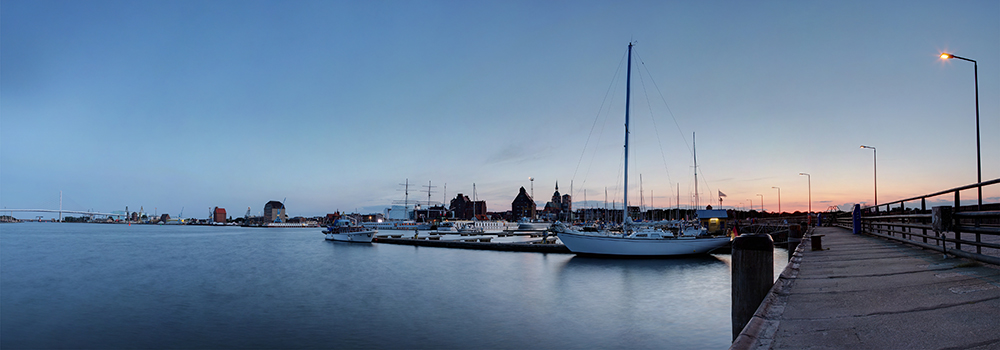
x: 119, y: 286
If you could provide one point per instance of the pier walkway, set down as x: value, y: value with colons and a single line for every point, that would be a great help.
x: 864, y: 292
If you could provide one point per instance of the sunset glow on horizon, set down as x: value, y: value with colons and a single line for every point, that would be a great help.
x: 332, y: 105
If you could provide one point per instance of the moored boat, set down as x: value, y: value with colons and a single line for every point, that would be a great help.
x: 470, y: 229
x: 401, y: 225
x: 636, y: 242
x: 636, y: 239
x: 345, y: 231
x: 525, y: 224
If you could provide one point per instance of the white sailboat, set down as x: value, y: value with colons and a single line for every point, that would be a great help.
x: 634, y: 240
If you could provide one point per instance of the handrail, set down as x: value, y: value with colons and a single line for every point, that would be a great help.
x: 978, y: 213
x: 935, y: 194
x: 939, y: 229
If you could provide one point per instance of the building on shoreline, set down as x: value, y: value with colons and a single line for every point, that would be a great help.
x: 464, y: 209
x: 274, y: 211
x: 219, y: 215
x: 560, y: 207
x: 523, y: 206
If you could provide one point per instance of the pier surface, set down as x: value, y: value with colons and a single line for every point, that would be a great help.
x: 864, y: 292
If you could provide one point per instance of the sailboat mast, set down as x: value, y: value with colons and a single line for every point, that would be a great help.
x: 628, y: 91
x: 406, y: 199
x: 694, y: 148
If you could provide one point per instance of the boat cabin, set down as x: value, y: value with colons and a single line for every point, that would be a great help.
x: 713, y: 219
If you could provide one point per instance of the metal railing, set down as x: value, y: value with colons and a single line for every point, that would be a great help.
x: 939, y: 228
x: 777, y: 228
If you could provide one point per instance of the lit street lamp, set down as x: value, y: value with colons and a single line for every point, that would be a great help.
x: 779, y: 199
x: 875, y: 165
x: 809, y: 215
x: 979, y: 164
x: 761, y: 202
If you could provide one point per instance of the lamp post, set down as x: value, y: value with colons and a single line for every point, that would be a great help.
x: 809, y: 215
x: 979, y: 164
x: 875, y: 166
x: 779, y: 198
x: 761, y: 202
x: 533, y: 205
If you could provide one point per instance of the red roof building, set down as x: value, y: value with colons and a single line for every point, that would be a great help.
x: 220, y: 215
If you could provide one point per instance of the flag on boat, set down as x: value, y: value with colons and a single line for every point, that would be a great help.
x: 721, y: 194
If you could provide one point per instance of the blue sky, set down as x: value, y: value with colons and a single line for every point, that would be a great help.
x: 196, y: 104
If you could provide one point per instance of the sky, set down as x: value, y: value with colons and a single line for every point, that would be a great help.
x: 332, y: 105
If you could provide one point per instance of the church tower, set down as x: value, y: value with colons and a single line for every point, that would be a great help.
x: 556, y: 198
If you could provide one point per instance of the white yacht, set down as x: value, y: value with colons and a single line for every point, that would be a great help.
x: 638, y: 241
x: 345, y: 231
x: 634, y: 239
x: 525, y: 224
x: 407, y: 225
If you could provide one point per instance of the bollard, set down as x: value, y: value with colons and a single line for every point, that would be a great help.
x: 856, y: 219
x: 794, y: 237
x: 753, y: 276
x: 817, y: 242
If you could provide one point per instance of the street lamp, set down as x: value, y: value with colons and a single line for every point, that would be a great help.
x: 979, y: 164
x: 875, y: 166
x: 534, y: 206
x: 761, y: 202
x: 532, y: 187
x: 779, y: 199
x: 809, y: 215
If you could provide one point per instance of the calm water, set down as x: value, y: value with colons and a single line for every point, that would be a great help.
x: 119, y: 286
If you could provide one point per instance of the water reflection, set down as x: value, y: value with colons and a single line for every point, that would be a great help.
x: 587, y: 262
x: 640, y: 300
x: 111, y: 286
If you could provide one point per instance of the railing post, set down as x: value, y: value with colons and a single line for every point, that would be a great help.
x: 856, y: 219
x: 923, y: 208
x: 753, y: 276
x: 958, y: 234
x: 878, y: 222
x: 902, y: 211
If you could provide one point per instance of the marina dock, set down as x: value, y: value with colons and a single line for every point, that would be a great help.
x: 478, y: 244
x: 865, y: 292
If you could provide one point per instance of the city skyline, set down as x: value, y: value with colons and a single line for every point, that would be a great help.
x: 332, y: 105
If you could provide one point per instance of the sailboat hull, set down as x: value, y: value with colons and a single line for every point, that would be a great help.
x: 633, y: 247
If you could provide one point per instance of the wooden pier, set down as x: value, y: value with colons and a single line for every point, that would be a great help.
x: 865, y: 292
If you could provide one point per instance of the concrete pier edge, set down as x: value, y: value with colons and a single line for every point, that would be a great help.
x: 759, y: 332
